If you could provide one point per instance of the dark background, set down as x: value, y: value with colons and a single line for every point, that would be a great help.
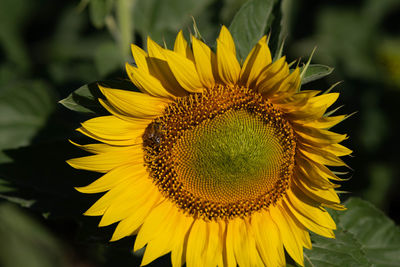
x: 50, y: 48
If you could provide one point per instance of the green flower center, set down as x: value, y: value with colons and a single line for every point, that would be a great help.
x: 220, y: 154
x: 233, y: 157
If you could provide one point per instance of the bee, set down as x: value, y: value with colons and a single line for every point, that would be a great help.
x: 153, y: 134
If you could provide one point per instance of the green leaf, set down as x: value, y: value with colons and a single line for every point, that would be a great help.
x: 315, y: 72
x: 24, y: 242
x: 250, y: 23
x: 24, y: 108
x: 364, y: 237
x: 99, y: 10
x: 230, y: 8
x: 85, y: 98
x: 280, y: 28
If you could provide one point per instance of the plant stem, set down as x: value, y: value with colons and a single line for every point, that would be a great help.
x: 124, y: 11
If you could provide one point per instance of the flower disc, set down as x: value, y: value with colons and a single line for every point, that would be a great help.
x: 236, y: 156
x: 221, y: 162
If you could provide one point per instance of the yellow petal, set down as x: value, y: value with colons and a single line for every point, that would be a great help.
x: 258, y: 58
x: 305, y: 115
x: 226, y: 38
x: 338, y: 150
x: 309, y: 174
x: 244, y: 244
x: 271, y: 76
x: 288, y: 86
x: 306, y: 222
x: 229, y: 252
x: 323, y: 100
x: 227, y: 63
x: 294, y: 235
x: 178, y: 254
x: 141, y: 77
x: 181, y: 47
x: 325, y: 196
x: 136, y: 218
x: 140, y: 57
x: 172, y: 234
x: 214, y: 245
x: 228, y: 66
x: 94, y: 148
x: 268, y: 240
x: 111, y: 127
x: 113, y: 178
x: 150, y: 228
x: 336, y: 206
x: 134, y: 137
x: 118, y: 113
x: 100, y: 206
x: 184, y: 71
x: 314, y: 109
x: 204, y: 246
x: 185, y: 222
x: 204, y: 58
x: 146, y: 82
x: 104, y: 148
x: 135, y: 104
x: 122, y: 205
x: 314, y: 169
x: 321, y: 156
x: 326, y: 122
x: 135, y: 140
x: 318, y: 137
x: 311, y: 210
x: 296, y: 101
x: 158, y: 67
x: 197, y: 243
x: 107, y: 161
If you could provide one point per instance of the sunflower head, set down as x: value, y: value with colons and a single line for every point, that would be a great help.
x: 218, y: 162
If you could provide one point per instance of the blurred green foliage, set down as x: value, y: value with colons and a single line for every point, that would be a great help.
x: 25, y: 242
x: 51, y: 48
x: 25, y: 106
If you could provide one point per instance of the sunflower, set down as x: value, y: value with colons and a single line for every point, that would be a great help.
x: 215, y: 161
